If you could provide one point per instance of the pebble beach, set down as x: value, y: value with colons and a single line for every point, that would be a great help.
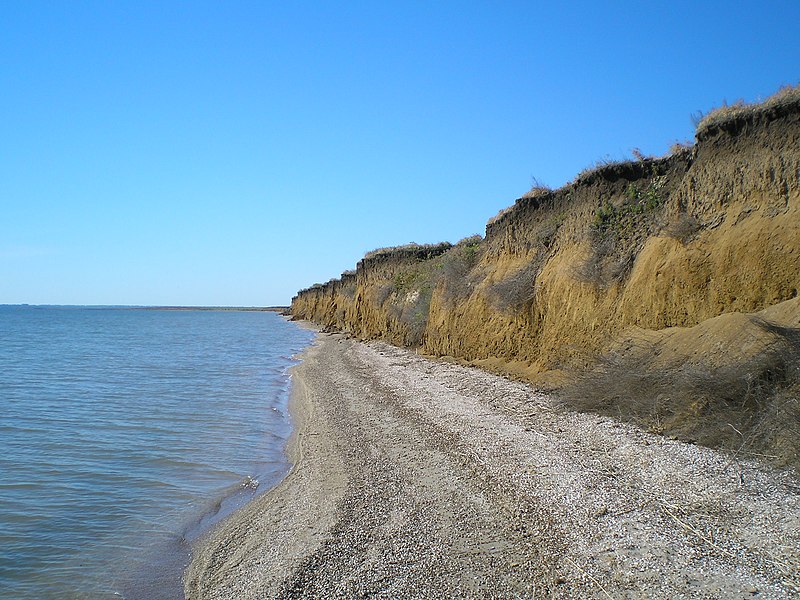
x: 419, y: 478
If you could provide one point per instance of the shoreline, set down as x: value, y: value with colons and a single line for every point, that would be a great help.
x: 412, y: 477
x: 278, y: 508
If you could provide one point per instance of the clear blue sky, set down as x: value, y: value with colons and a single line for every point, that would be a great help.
x: 230, y: 153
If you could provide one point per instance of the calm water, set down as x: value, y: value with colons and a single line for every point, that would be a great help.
x: 125, y: 433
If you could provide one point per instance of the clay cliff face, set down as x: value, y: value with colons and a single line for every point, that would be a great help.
x: 630, y: 264
x: 652, y: 244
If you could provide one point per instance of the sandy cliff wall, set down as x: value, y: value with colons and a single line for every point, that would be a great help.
x: 653, y: 243
x: 659, y: 290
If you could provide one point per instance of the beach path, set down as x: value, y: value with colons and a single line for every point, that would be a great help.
x: 420, y: 478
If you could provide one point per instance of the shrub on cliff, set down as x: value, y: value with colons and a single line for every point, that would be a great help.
x: 517, y: 289
x: 407, y: 295
x: 454, y: 266
x: 408, y: 302
x: 618, y: 231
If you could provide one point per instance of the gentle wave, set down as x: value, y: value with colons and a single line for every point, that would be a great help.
x: 126, y: 433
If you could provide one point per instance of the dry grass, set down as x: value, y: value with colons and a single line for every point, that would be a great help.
x: 537, y: 189
x: 740, y: 110
x: 452, y: 270
x: 409, y: 305
x: 609, y: 262
x: 749, y: 405
x: 410, y: 248
x: 599, y: 165
x: 499, y: 215
x: 516, y: 291
x: 683, y: 228
x: 678, y: 147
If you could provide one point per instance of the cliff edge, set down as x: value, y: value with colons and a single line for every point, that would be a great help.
x: 662, y: 291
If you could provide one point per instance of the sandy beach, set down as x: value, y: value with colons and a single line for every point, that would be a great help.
x: 416, y: 478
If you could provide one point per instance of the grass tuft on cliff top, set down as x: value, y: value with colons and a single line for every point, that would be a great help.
x: 741, y: 110
x: 411, y: 247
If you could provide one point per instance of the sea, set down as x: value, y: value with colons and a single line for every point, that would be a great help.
x: 126, y: 433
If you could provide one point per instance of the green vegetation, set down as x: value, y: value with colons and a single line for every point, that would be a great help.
x: 617, y: 232
x: 406, y: 280
x: 423, y: 251
x: 407, y: 297
x: 620, y: 220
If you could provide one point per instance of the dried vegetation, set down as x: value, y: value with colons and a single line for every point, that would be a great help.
x: 740, y: 110
x: 745, y: 398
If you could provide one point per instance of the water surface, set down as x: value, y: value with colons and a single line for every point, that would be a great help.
x: 124, y: 432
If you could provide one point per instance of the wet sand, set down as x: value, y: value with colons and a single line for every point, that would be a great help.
x: 416, y: 478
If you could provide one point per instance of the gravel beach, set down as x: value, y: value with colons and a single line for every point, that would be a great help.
x: 418, y: 478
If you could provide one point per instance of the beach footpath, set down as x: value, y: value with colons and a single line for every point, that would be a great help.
x: 419, y: 478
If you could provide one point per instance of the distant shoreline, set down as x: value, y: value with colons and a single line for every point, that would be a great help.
x: 277, y: 309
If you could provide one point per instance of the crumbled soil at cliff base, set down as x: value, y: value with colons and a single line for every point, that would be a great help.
x: 419, y: 478
x: 731, y: 382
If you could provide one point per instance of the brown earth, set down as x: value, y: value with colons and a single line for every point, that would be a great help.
x: 624, y: 253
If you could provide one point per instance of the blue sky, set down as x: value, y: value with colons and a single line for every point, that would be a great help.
x: 231, y: 153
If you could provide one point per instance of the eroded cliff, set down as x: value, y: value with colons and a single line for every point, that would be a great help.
x: 566, y: 280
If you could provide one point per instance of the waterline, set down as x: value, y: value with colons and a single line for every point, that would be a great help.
x: 124, y: 432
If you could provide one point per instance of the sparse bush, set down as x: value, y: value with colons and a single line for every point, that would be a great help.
x: 607, y: 263
x: 405, y: 281
x: 454, y: 266
x: 617, y: 233
x: 683, y: 228
x: 410, y: 306
x: 517, y: 290
x: 415, y: 317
